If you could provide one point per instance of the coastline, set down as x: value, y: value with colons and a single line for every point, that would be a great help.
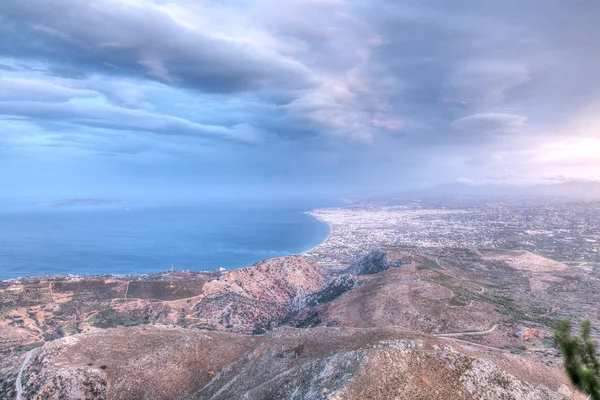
x: 329, y: 231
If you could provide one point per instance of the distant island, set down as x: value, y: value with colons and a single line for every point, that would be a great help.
x: 81, y: 202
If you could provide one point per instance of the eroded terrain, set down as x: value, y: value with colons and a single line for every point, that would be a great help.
x: 402, y: 322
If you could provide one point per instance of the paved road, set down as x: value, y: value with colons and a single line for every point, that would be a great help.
x: 18, y: 383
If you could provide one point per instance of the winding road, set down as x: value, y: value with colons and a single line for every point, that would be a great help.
x: 458, y: 334
x: 18, y: 383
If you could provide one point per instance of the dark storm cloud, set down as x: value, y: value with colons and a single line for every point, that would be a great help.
x: 137, y: 38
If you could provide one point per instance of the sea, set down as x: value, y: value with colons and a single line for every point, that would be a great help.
x: 146, y: 237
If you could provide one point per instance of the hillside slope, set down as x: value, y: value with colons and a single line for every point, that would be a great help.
x: 333, y: 363
x: 402, y: 323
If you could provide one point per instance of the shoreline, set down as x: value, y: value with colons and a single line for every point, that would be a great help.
x: 329, y: 227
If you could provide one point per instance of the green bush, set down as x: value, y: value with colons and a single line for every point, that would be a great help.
x: 581, y: 362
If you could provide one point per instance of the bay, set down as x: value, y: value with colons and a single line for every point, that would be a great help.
x: 141, y: 238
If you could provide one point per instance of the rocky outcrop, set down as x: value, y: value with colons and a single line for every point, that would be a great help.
x: 334, y: 289
x: 307, y: 312
x: 275, y: 280
x: 254, y: 299
x: 373, y: 263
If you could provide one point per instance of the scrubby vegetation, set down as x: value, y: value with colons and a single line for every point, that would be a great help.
x: 581, y: 361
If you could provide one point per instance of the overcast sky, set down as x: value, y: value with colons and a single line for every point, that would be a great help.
x: 136, y: 98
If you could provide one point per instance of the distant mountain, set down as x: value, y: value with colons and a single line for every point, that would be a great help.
x: 80, y: 202
x: 575, y: 189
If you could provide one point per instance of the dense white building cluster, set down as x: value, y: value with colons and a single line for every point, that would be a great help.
x: 563, y: 231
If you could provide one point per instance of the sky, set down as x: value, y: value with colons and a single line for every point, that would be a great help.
x: 138, y: 98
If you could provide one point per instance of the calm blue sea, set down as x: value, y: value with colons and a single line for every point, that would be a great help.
x: 145, y: 238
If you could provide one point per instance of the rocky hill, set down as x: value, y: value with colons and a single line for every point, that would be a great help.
x: 255, y: 299
x: 322, y: 363
x: 401, y: 323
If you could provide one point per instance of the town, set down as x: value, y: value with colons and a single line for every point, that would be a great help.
x: 565, y: 231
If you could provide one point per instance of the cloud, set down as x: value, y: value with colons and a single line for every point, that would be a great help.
x: 220, y: 49
x: 137, y: 37
x: 485, y: 124
x: 485, y: 82
x: 39, y: 90
x: 119, y: 118
x: 349, y: 104
x: 375, y: 90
